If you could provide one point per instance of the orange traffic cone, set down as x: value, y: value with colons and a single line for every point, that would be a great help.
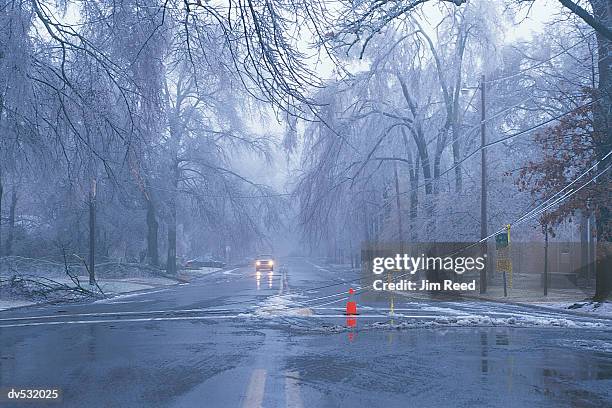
x: 351, y: 305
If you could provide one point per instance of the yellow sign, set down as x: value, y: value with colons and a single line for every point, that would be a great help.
x: 504, y: 265
x: 504, y: 261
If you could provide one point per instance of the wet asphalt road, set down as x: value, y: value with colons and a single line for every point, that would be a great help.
x: 232, y: 340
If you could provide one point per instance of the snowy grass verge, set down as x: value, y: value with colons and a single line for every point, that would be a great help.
x: 11, y: 304
x: 26, y: 281
x: 198, y: 272
x: 597, y: 309
x: 123, y: 285
x: 24, y: 290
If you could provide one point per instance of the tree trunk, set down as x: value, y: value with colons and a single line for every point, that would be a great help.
x: 455, y: 114
x: 92, y: 233
x: 1, y: 195
x: 1, y: 186
x: 584, y: 246
x: 457, y: 158
x: 602, y: 127
x: 418, y: 136
x: 171, y: 261
x: 414, y: 182
x: 366, y: 229
x: 11, y: 222
x: 440, y: 144
x: 152, y: 229
x: 414, y: 199
x: 398, y: 203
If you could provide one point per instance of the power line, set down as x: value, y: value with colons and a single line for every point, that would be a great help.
x: 539, y: 125
x: 520, y: 133
x: 575, y: 180
x: 571, y: 192
x: 487, y: 120
x: 534, y: 212
x: 539, y: 64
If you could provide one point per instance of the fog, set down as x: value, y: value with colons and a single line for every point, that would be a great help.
x: 152, y: 133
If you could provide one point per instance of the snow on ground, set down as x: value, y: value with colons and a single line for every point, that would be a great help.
x: 471, y: 321
x: 486, y: 321
x: 46, y: 281
x: 200, y: 271
x: 110, y: 287
x: 230, y: 271
x: 30, y: 281
x: 598, y: 309
x: 123, y: 285
x: 281, y: 305
x: 9, y: 304
x: 124, y: 298
x: 589, y: 344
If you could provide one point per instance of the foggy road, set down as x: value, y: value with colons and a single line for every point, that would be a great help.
x: 231, y: 339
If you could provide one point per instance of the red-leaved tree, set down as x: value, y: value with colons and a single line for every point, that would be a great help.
x: 568, y: 157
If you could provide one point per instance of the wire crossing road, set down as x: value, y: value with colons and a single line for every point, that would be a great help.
x: 233, y: 339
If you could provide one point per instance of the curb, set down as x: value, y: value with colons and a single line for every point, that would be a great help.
x: 526, y: 305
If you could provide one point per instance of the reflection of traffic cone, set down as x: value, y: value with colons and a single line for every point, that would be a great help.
x: 351, y: 305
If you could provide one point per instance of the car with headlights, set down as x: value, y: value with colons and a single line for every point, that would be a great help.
x: 264, y: 263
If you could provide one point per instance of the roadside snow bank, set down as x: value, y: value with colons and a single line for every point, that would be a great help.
x: 123, y: 285
x: 23, y: 290
x: 200, y: 271
x: 473, y: 321
x: 25, y: 281
x: 521, y: 321
x: 10, y: 304
x: 587, y: 344
x: 17, y: 289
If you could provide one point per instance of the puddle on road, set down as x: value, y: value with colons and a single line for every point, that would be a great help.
x: 472, y: 367
x: 604, y: 346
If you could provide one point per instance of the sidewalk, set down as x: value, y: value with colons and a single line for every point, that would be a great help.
x: 527, y: 295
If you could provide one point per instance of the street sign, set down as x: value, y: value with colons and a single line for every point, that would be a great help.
x: 501, y: 240
x: 503, y: 265
x: 504, y: 260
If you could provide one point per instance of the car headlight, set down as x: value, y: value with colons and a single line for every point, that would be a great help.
x: 271, y: 262
x: 257, y: 263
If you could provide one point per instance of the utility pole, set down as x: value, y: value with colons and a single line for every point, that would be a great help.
x: 398, y: 203
x: 545, y: 260
x: 483, y: 182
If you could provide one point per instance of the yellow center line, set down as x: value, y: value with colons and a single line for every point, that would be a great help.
x: 280, y: 289
x: 293, y: 399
